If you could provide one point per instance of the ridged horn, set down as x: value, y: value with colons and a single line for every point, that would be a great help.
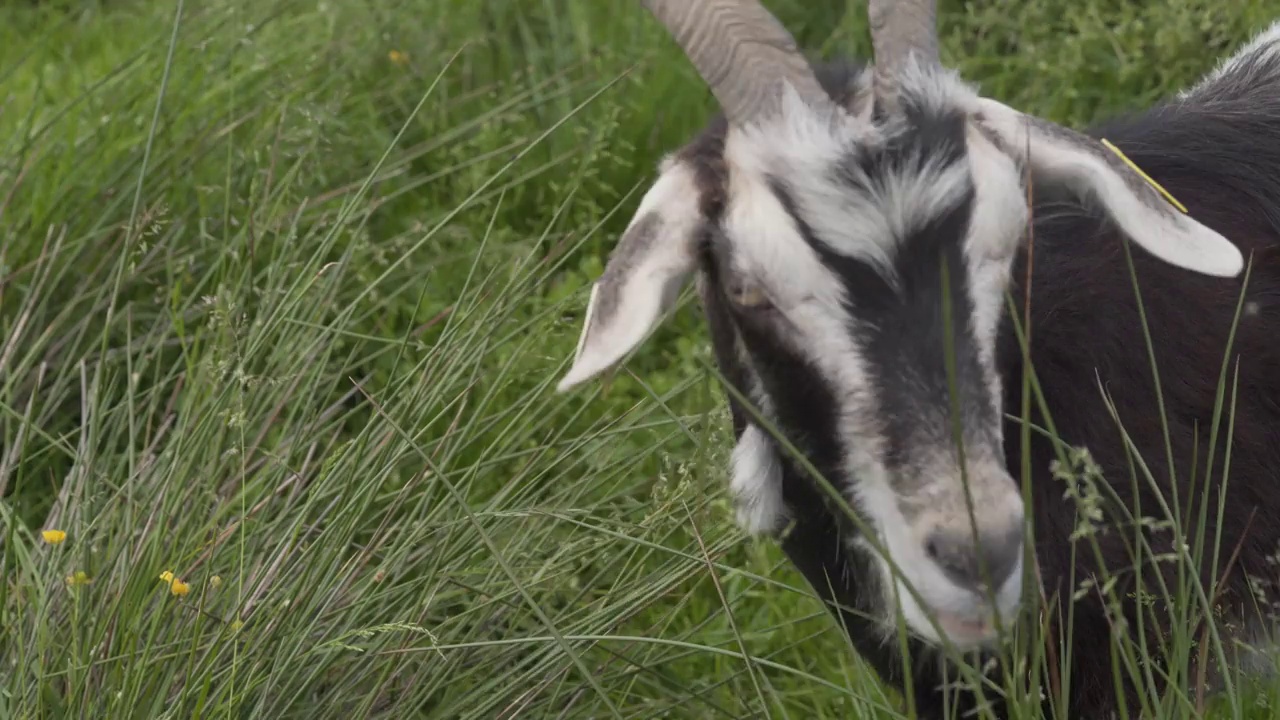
x: 743, y: 53
x: 900, y: 28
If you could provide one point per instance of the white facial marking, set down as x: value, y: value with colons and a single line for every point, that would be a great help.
x: 800, y: 148
x: 766, y: 248
x: 937, y: 89
x: 996, y: 229
x: 965, y: 616
x: 766, y: 244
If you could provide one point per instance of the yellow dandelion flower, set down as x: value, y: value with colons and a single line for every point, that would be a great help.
x: 53, y: 537
x: 215, y: 581
x: 78, y: 578
x: 176, y: 586
x: 399, y: 58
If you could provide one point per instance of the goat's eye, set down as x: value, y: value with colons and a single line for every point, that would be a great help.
x: 748, y: 295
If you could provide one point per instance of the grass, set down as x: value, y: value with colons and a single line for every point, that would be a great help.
x: 281, y: 311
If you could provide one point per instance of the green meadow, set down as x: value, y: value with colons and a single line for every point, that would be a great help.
x: 285, y: 289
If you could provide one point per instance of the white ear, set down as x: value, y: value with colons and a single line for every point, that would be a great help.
x: 1088, y: 166
x: 643, y: 277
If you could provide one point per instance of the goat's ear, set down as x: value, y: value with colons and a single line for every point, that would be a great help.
x: 1134, y: 204
x: 643, y: 277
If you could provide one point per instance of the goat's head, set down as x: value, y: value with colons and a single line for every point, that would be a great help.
x: 853, y: 241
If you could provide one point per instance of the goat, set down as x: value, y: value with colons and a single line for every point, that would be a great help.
x: 857, y: 232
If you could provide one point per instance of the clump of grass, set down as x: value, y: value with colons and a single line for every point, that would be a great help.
x: 283, y: 290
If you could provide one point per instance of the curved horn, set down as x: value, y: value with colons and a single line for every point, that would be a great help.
x: 900, y: 28
x: 742, y: 52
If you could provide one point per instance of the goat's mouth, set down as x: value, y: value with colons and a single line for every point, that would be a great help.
x: 968, y: 631
x: 967, y: 621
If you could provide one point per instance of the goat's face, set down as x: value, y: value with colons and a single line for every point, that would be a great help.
x: 855, y: 247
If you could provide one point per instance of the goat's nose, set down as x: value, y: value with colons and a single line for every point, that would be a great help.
x: 973, y: 564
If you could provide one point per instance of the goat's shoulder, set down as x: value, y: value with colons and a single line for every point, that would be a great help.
x: 1219, y: 139
x: 1216, y: 150
x: 1251, y: 74
x: 1216, y: 147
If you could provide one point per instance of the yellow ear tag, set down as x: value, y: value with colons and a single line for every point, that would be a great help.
x: 1145, y: 176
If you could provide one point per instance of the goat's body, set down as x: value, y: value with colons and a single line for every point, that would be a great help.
x: 854, y: 253
x: 1216, y: 150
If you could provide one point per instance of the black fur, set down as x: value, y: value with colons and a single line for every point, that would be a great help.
x: 1220, y: 159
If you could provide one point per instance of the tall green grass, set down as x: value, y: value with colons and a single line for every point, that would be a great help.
x: 284, y: 288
